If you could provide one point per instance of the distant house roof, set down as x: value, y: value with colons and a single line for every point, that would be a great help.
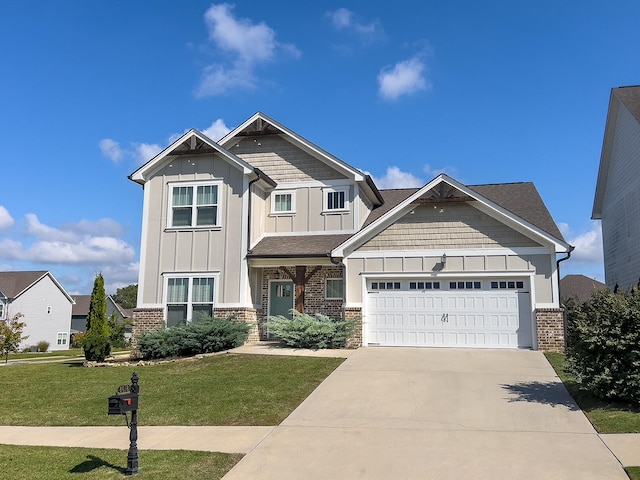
x: 579, y: 287
x: 81, y: 307
x: 13, y: 284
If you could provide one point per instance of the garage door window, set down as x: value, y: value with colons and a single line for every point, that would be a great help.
x: 465, y: 285
x: 424, y: 285
x: 507, y: 284
x: 385, y: 285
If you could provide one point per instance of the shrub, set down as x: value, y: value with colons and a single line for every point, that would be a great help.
x: 117, y: 331
x: 43, y: 346
x: 208, y: 335
x: 77, y: 340
x: 604, y: 348
x: 96, y: 342
x: 305, y: 331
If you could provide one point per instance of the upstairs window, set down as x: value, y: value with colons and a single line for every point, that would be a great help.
x: 336, y: 200
x: 194, y: 205
x: 282, y: 202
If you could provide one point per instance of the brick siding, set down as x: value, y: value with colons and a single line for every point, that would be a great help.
x: 146, y: 320
x: 550, y: 329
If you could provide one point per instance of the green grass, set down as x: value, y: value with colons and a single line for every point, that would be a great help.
x: 606, y: 417
x: 59, y: 463
x: 633, y: 472
x: 224, y: 389
x: 56, y: 353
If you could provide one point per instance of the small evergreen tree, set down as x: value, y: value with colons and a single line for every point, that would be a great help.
x: 11, y: 335
x: 96, y: 342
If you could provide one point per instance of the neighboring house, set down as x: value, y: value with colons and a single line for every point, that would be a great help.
x: 579, y: 287
x: 46, y: 307
x: 617, y: 198
x: 264, y: 221
x: 80, y: 312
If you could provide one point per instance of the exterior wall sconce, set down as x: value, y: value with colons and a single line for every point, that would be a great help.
x: 443, y: 259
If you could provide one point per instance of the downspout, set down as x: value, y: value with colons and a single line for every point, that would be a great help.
x: 564, y: 311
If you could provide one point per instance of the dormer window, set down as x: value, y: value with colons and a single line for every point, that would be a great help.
x: 336, y: 199
x: 194, y: 205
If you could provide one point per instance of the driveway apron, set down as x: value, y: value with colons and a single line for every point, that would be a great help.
x: 420, y: 413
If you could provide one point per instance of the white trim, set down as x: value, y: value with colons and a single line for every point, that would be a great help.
x: 305, y: 232
x: 272, y: 199
x: 356, y: 207
x: 450, y: 253
x: 144, y: 238
x: 194, y: 185
x: 315, y: 184
x: 244, y: 241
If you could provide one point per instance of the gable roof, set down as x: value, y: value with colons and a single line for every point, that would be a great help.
x: 83, y: 302
x: 261, y: 124
x: 517, y: 203
x: 192, y: 142
x: 579, y: 287
x: 626, y: 97
x: 13, y: 283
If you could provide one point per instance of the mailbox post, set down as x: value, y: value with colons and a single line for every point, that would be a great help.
x: 126, y: 400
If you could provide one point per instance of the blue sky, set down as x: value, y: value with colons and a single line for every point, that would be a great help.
x: 488, y: 92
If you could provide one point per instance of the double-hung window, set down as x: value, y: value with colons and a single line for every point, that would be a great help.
x: 189, y: 299
x: 62, y: 338
x: 194, y: 205
x: 336, y: 199
x: 282, y: 202
x: 1, y: 310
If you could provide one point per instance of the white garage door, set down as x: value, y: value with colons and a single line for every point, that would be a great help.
x: 477, y: 313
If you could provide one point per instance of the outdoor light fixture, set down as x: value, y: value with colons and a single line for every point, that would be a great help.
x: 443, y: 259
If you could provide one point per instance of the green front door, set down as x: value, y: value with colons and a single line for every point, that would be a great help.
x: 281, y: 299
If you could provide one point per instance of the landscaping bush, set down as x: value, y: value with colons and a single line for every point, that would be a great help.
x: 305, y: 331
x: 43, y: 346
x: 208, y: 335
x: 77, y: 340
x: 603, y: 351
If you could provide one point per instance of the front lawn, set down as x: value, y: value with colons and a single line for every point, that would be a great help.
x: 606, y: 417
x: 58, y: 463
x: 225, y: 389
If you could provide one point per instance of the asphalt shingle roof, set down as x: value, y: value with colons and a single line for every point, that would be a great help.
x: 579, y: 286
x: 13, y: 284
x: 298, y: 245
x: 630, y: 97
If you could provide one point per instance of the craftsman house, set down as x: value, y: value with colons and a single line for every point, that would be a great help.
x: 264, y: 221
x: 44, y: 304
x: 617, y: 198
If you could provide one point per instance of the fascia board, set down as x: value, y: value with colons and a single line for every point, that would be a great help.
x: 605, y: 156
x: 148, y: 169
x: 299, y: 141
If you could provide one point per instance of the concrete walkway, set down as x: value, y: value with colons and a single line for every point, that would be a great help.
x: 400, y: 413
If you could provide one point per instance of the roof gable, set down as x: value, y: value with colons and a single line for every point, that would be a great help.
x: 192, y: 142
x: 260, y: 124
x: 13, y: 284
x: 622, y: 97
x: 534, y: 219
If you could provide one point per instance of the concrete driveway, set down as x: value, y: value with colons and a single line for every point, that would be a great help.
x: 403, y: 413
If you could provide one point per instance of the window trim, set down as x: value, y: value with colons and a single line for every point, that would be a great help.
x: 194, y: 210
x: 326, y: 289
x: 275, y: 212
x: 190, y: 303
x: 3, y: 309
x: 64, y: 336
x: 325, y: 199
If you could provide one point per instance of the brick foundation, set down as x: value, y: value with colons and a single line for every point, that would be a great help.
x: 350, y: 314
x: 550, y: 329
x: 246, y: 315
x: 146, y: 320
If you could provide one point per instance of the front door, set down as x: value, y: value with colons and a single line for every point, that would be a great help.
x: 281, y: 298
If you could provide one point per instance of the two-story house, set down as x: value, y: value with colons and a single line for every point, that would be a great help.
x: 264, y: 221
x: 617, y: 198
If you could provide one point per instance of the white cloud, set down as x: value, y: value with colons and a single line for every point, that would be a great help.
x: 111, y: 149
x: 216, y: 130
x: 396, y: 178
x: 344, y: 19
x: 6, y: 220
x: 143, y: 152
x: 405, y: 78
x: 588, y: 244
x: 77, y: 243
x: 248, y: 45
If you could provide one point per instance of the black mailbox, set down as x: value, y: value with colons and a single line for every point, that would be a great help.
x: 122, y: 403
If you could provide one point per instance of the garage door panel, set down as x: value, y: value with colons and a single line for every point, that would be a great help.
x: 449, y: 318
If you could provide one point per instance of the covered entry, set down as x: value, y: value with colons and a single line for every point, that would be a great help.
x: 482, y: 313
